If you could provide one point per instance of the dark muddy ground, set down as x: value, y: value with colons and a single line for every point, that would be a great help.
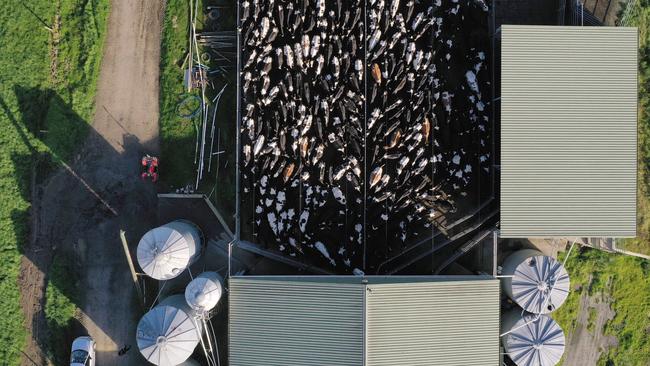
x: 362, y: 152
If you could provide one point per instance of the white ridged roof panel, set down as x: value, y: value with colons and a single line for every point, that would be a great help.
x: 568, y: 131
x: 442, y: 323
x: 292, y: 322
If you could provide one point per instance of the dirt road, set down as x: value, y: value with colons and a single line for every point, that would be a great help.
x: 68, y: 213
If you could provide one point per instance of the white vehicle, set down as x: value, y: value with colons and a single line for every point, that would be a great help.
x: 83, y: 352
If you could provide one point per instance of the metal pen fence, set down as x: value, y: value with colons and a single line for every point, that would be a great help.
x: 242, y: 208
x: 631, y: 10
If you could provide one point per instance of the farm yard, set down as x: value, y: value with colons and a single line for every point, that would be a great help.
x: 345, y: 136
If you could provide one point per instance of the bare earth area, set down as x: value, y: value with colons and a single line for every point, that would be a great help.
x: 584, y: 347
x: 80, y: 210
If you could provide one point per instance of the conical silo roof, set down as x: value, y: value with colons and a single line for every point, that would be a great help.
x: 539, y: 343
x: 204, y: 292
x: 166, y: 251
x: 532, y: 281
x: 167, y: 335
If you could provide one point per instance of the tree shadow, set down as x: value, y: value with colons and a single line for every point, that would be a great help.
x: 81, y: 195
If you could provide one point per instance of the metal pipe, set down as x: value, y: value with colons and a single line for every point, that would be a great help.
x: 189, y: 68
x: 495, y: 244
x: 365, y: 129
x: 214, y: 116
x: 238, y: 132
x: 216, y: 176
x: 434, y: 236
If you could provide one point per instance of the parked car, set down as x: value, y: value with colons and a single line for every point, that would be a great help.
x: 83, y: 352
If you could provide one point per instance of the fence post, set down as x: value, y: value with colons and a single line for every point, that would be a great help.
x: 134, y: 274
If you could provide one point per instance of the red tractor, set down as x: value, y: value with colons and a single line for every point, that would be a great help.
x: 149, y: 168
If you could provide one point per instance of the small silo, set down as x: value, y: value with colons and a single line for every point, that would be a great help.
x: 204, y: 292
x: 166, y: 251
x: 528, y: 278
x: 532, y: 341
x: 168, y: 334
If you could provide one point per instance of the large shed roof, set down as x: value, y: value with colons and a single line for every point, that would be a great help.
x: 370, y: 321
x: 568, y: 131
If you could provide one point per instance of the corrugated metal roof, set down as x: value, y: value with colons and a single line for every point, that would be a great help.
x: 568, y: 131
x: 320, y: 321
x: 295, y: 323
x: 433, y: 323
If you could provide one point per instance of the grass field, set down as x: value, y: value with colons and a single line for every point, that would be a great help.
x: 178, y: 134
x: 60, y: 309
x: 639, y: 16
x: 51, y: 52
x: 624, y: 279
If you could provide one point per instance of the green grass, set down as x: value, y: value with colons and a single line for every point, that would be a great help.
x: 47, y: 86
x: 624, y: 279
x: 178, y: 134
x: 640, y: 17
x: 60, y: 309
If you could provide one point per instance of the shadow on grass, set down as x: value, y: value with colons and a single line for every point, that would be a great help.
x: 41, y: 109
x: 67, y: 205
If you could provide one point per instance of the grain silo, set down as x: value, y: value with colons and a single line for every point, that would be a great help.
x: 204, y: 292
x: 166, y: 251
x: 532, y: 339
x: 529, y: 277
x: 168, y: 334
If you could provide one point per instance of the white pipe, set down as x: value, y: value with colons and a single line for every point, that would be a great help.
x: 205, y: 351
x: 211, y: 336
x: 208, y: 336
x: 158, y: 295
x: 214, y: 117
x: 216, y: 175
x: 189, y: 77
x: 203, y: 110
